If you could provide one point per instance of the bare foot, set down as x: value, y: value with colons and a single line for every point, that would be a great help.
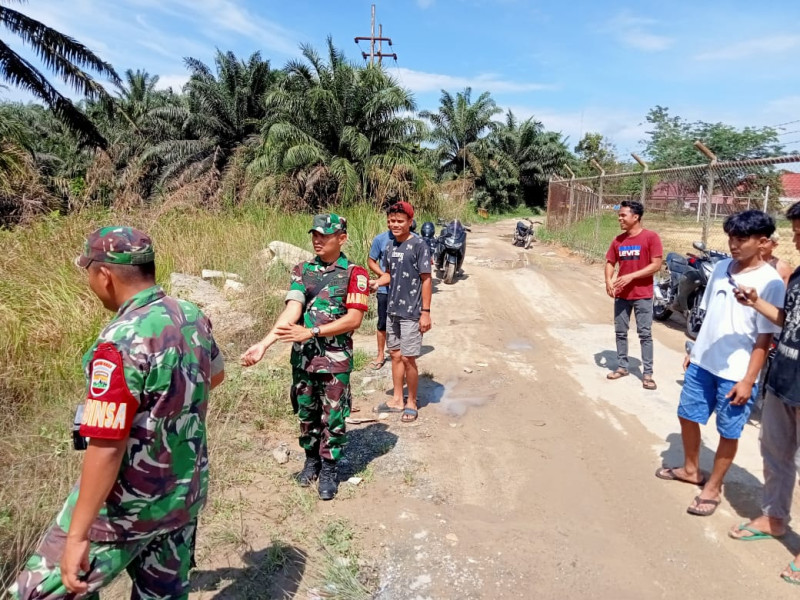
x: 760, y: 525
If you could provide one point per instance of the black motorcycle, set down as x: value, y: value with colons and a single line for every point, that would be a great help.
x: 524, y: 234
x: 451, y: 247
x: 681, y: 283
x: 428, y: 234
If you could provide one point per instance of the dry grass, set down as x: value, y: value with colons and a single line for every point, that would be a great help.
x: 49, y: 318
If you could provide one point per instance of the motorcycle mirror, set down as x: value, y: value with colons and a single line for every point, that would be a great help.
x: 699, y: 246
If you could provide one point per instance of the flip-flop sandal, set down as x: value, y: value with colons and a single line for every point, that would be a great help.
x: 795, y: 569
x: 648, y: 383
x: 668, y: 474
x: 383, y: 407
x: 377, y: 365
x: 698, y: 502
x: 409, y: 415
x: 755, y: 534
x: 618, y: 374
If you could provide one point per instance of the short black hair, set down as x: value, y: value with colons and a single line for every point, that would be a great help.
x: 132, y: 273
x: 748, y: 223
x: 636, y: 207
x: 793, y: 213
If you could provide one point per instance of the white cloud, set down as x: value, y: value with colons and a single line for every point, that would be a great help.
x: 420, y: 81
x: 635, y: 32
x: 773, y: 44
x: 176, y: 82
x: 625, y: 129
x: 425, y: 3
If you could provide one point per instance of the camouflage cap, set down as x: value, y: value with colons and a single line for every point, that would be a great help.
x: 327, y: 224
x: 117, y: 245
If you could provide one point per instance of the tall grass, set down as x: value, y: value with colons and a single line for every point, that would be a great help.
x: 49, y: 318
x: 590, y: 236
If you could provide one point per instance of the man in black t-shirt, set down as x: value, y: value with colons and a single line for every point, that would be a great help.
x: 780, y: 419
x: 408, y: 275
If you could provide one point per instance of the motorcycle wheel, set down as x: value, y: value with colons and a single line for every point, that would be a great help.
x: 528, y: 241
x: 660, y: 310
x: 694, y: 319
x: 450, y: 273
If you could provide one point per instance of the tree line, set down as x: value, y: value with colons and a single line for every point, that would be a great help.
x: 320, y: 129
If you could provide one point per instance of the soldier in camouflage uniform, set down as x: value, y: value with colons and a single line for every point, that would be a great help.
x: 326, y: 302
x: 145, y: 473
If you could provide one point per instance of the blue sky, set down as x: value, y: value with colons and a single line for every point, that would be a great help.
x: 577, y: 66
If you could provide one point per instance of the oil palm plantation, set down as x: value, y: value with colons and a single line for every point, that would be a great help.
x: 531, y: 152
x: 339, y: 131
x: 220, y: 115
x: 64, y: 56
x: 459, y: 130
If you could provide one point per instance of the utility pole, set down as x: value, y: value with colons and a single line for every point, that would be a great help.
x: 372, y: 39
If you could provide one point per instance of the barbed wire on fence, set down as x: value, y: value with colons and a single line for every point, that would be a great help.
x: 685, y: 202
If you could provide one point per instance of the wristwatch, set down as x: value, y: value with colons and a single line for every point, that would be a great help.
x: 315, y: 331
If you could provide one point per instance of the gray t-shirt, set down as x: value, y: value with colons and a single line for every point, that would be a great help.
x: 405, y: 261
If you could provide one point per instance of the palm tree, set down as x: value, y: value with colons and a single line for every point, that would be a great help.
x: 459, y: 128
x: 339, y: 131
x: 221, y: 115
x: 535, y: 154
x: 64, y: 56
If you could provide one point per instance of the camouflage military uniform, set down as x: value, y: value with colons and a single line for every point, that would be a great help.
x: 148, y: 380
x: 321, y: 366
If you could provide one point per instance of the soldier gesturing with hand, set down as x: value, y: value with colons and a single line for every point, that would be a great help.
x: 326, y: 302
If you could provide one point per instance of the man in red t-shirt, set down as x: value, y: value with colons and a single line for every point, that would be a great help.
x: 639, y: 253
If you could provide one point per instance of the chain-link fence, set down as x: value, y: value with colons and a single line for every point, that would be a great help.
x: 683, y: 204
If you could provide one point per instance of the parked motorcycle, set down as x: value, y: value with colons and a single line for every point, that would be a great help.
x: 428, y: 234
x: 451, y: 247
x: 681, y: 283
x: 524, y: 234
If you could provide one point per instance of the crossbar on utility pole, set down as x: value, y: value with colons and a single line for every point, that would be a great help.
x: 372, y: 38
x: 645, y: 168
x: 712, y: 158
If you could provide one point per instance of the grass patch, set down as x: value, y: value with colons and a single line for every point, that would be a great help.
x: 591, y: 236
x: 409, y: 477
x: 49, y: 318
x: 337, y: 538
x: 360, y: 359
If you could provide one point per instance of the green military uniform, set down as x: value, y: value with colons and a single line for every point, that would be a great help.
x: 148, y: 381
x: 321, y: 366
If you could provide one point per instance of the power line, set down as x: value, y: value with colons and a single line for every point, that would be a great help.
x: 372, y: 39
x: 782, y: 124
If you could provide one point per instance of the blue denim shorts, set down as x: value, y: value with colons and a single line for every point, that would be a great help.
x: 704, y: 393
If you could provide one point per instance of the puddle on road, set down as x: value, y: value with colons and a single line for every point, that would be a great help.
x: 505, y: 264
x: 457, y: 405
x: 519, y: 345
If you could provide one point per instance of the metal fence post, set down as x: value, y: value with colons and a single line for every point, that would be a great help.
x: 571, y: 196
x: 643, y: 194
x: 709, y: 187
x: 599, y: 201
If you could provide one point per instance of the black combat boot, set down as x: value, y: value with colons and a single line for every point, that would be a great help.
x: 311, y: 469
x: 328, y: 480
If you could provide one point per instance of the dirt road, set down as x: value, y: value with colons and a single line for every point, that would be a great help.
x: 532, y: 476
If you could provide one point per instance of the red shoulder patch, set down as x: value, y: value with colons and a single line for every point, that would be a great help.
x: 110, y: 406
x: 358, y: 288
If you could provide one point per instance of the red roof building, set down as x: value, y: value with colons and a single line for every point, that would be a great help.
x: 791, y: 187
